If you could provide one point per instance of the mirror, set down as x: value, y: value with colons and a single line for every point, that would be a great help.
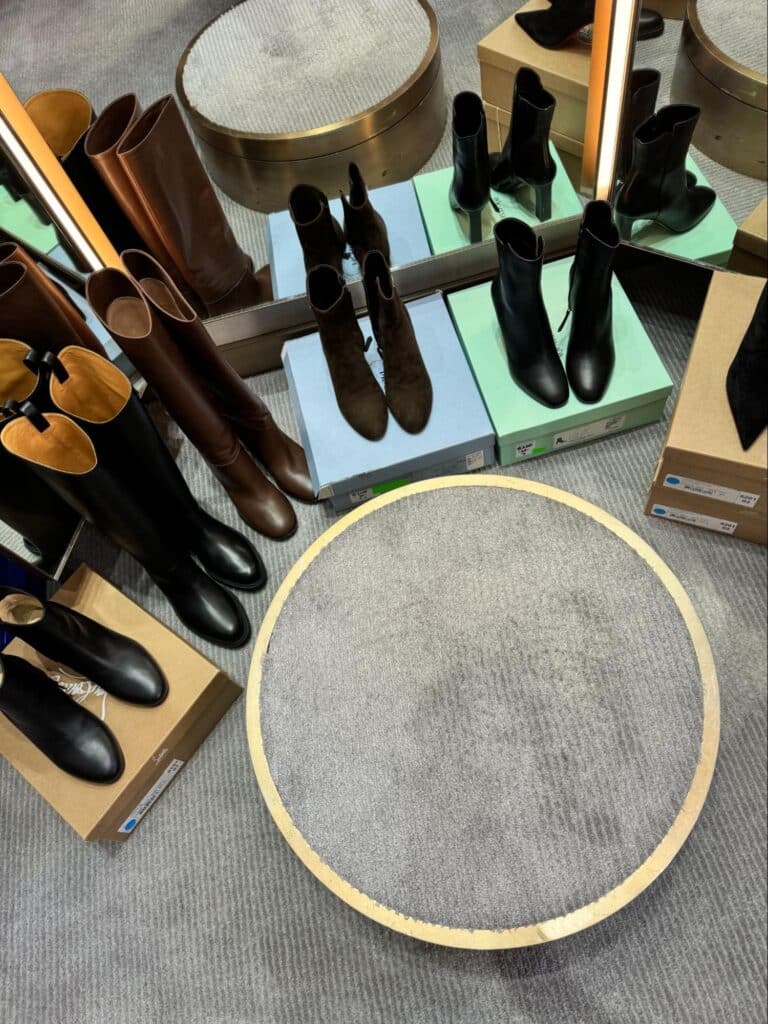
x: 701, y: 158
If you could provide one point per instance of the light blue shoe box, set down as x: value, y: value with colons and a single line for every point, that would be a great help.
x: 398, y: 207
x: 347, y: 468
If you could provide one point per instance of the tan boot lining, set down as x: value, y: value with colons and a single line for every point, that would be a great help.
x: 16, y: 381
x: 160, y: 294
x: 61, y: 116
x: 21, y: 610
x: 128, y: 316
x: 95, y: 391
x: 63, y: 446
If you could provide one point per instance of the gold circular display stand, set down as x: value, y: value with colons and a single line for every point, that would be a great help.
x: 535, y: 932
x: 390, y: 141
x: 733, y: 127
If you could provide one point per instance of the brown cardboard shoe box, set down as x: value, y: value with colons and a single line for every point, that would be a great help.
x: 703, y: 476
x: 750, y: 246
x: 674, y: 10
x: 564, y: 72
x: 156, y: 742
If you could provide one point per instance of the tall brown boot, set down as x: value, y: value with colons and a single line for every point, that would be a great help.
x: 406, y: 381
x: 161, y: 162
x: 123, y: 310
x: 364, y: 229
x: 34, y: 308
x: 246, y: 413
x: 361, y: 400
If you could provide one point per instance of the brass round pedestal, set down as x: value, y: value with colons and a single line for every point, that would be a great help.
x: 389, y: 141
x: 733, y: 99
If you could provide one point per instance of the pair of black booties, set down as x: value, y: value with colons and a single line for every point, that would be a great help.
x: 525, y: 158
x: 74, y: 739
x: 533, y: 359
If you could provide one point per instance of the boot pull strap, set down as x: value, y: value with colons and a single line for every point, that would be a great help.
x: 54, y: 365
x: 35, y: 417
x: 32, y: 360
x: 10, y: 409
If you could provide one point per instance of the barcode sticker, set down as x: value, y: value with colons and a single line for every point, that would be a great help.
x: 679, y: 515
x: 589, y: 431
x: 151, y: 796
x: 744, y: 499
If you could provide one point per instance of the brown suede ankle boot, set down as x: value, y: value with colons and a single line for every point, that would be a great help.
x: 320, y: 234
x: 407, y: 383
x: 361, y: 400
x: 364, y: 229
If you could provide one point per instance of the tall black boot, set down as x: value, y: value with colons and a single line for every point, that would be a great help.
x: 525, y: 158
x: 63, y: 455
x: 747, y: 374
x: 642, y: 94
x: 471, y: 185
x: 114, y: 662
x: 516, y: 291
x: 590, y: 357
x: 67, y: 733
x: 657, y: 187
x: 100, y: 398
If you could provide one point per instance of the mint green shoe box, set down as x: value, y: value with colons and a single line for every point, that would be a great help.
x: 710, y: 241
x: 525, y: 428
x: 448, y: 230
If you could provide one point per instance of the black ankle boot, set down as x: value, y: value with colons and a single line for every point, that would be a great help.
x: 320, y: 234
x: 745, y: 382
x: 590, y: 357
x: 525, y: 158
x: 114, y: 662
x: 471, y: 185
x: 558, y: 24
x: 73, y: 738
x: 642, y: 94
x: 657, y: 186
x: 516, y: 291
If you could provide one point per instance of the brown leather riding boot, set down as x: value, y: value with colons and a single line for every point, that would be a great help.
x: 245, y: 412
x: 158, y: 157
x: 406, y: 381
x: 361, y: 400
x: 364, y: 229
x: 320, y: 234
x: 33, y: 307
x: 123, y: 310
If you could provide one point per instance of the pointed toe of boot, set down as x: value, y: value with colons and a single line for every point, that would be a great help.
x: 589, y: 377
x: 412, y: 411
x: 547, y: 384
x: 367, y: 415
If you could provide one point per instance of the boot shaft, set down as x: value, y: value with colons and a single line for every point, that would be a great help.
x: 527, y: 144
x: 595, y: 254
x: 471, y: 165
x: 317, y: 229
x: 520, y: 254
x: 364, y: 229
x: 640, y: 105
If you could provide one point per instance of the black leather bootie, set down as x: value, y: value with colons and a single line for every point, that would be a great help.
x: 114, y: 662
x: 590, y: 358
x: 100, y: 398
x: 747, y: 374
x: 642, y: 94
x: 364, y: 229
x: 525, y: 158
x: 471, y: 185
x: 63, y: 455
x: 516, y: 290
x: 320, y: 234
x: 67, y: 733
x: 558, y: 24
x: 657, y: 186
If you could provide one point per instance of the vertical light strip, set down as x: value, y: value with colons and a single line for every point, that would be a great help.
x: 613, y: 48
x: 28, y: 151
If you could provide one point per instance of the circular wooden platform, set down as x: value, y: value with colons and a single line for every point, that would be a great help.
x: 285, y: 93
x: 483, y: 712
x: 720, y: 68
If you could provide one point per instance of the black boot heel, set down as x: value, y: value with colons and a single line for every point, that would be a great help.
x: 475, y: 225
x: 543, y: 195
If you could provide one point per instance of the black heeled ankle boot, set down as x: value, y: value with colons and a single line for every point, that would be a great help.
x: 558, y: 24
x: 114, y: 662
x: 68, y: 734
x: 745, y: 381
x: 642, y: 94
x: 658, y: 187
x: 471, y: 185
x: 525, y: 158
x: 590, y: 358
x: 516, y: 291
x: 320, y: 234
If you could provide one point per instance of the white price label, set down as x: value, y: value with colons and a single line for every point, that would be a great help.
x: 476, y: 460
x: 679, y: 515
x: 588, y: 431
x: 150, y: 797
x: 744, y: 499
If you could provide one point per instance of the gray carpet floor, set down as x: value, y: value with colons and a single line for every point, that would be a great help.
x: 205, y: 916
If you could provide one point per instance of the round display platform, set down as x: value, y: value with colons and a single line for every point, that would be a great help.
x: 286, y: 92
x: 720, y: 68
x: 483, y: 712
